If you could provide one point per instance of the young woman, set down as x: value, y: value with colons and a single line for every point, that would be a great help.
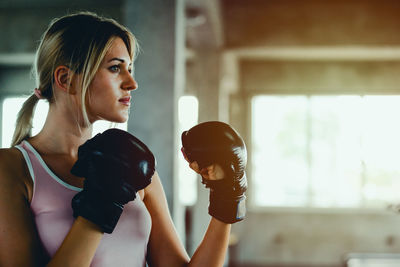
x: 84, y: 70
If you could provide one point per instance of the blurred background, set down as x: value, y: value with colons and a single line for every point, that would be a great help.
x: 313, y: 86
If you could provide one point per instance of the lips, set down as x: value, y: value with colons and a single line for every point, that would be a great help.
x: 125, y: 100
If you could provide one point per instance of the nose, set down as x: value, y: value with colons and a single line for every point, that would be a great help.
x: 129, y: 83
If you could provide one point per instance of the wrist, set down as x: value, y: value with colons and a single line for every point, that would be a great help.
x: 98, y: 210
x: 88, y: 225
x: 227, y: 210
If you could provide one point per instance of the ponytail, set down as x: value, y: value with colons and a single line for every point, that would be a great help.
x: 23, y: 125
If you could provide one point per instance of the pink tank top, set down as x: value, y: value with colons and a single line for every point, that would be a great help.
x: 51, y: 206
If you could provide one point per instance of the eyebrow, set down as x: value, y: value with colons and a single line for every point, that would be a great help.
x: 119, y: 59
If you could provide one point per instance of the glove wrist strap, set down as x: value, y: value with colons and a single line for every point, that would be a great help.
x: 227, y: 210
x: 97, y: 210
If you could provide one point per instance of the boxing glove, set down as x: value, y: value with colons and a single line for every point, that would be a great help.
x: 115, y: 165
x: 216, y: 142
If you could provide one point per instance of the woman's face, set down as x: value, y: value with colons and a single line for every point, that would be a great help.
x: 108, y: 96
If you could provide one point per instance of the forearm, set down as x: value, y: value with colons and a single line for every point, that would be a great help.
x: 212, y: 249
x: 79, y: 246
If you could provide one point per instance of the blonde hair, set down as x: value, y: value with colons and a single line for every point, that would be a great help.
x: 79, y: 41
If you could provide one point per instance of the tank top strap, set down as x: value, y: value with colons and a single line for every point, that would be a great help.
x: 22, y: 147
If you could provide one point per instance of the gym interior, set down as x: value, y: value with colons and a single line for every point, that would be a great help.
x: 311, y: 85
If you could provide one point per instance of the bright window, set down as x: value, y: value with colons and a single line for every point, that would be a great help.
x: 11, y: 107
x: 188, y: 107
x: 325, y: 151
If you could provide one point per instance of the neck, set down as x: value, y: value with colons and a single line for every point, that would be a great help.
x: 62, y: 132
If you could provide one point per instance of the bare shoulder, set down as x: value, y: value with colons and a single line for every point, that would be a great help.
x: 13, y: 172
x: 9, y: 158
x: 20, y: 245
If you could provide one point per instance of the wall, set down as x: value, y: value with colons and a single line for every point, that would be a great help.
x: 314, y: 238
x: 320, y: 77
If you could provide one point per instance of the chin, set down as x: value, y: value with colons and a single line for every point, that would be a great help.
x: 121, y: 119
x: 117, y: 120
x: 117, y: 117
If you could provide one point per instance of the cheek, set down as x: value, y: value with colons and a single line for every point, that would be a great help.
x: 97, y: 91
x: 102, y: 93
x: 93, y: 96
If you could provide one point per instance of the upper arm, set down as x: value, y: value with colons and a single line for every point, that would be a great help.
x: 164, y: 248
x: 19, y: 244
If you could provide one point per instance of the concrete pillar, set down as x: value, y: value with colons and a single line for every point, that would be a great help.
x: 205, y: 84
x: 159, y: 70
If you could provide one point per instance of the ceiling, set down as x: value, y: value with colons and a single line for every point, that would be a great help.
x: 233, y: 24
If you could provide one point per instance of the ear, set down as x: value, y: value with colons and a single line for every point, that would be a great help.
x: 63, y: 79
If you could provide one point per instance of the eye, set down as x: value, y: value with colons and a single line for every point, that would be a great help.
x: 114, y: 68
x: 130, y: 71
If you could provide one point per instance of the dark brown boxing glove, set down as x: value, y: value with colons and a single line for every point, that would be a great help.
x: 216, y: 142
